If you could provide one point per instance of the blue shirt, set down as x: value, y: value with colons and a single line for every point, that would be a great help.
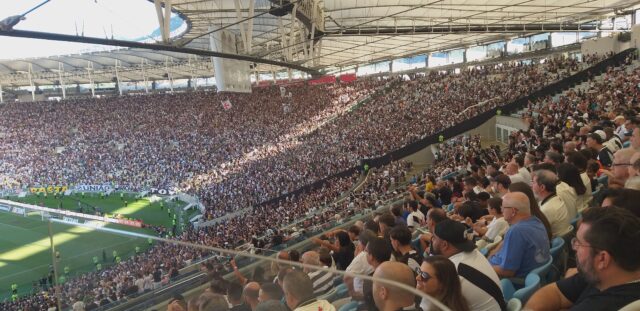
x: 525, y: 247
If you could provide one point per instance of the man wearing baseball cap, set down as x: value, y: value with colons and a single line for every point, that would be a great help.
x: 480, y: 282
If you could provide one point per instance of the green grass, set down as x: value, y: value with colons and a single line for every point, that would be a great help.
x: 25, y: 253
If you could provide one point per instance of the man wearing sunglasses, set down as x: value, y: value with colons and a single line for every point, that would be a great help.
x: 480, y: 283
x: 607, y: 247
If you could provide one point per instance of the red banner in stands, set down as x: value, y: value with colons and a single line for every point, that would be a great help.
x: 323, y: 80
x: 350, y: 77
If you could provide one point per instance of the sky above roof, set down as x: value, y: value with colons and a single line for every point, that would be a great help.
x: 123, y: 19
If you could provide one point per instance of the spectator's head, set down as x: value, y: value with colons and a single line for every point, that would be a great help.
x: 450, y: 238
x: 378, y: 251
x: 569, y: 174
x: 434, y: 216
x: 372, y: 226
x: 298, y: 288
x: 633, y: 183
x: 634, y: 168
x: 234, y: 293
x: 495, y: 207
x: 325, y: 256
x: 400, y: 237
x: 529, y: 159
x: 342, y: 239
x: 511, y: 169
x: 251, y: 293
x: 270, y: 291
x: 177, y: 303
x: 577, y: 159
x: 294, y: 255
x: 502, y: 183
x: 595, y: 140
x: 389, y: 297
x: 469, y: 183
x: 386, y: 222
x: 569, y: 147
x: 515, y: 207
x: 553, y: 157
x: 544, y: 183
x: 607, y: 248
x: 439, y: 279
x: 622, y: 197
x: 621, y: 163
x: 353, y: 232
x: 311, y: 258
x: 208, y: 302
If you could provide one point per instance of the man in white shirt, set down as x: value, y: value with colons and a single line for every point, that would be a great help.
x: 544, y: 188
x: 512, y: 171
x: 480, y: 282
x: 415, y: 217
x: 359, y: 265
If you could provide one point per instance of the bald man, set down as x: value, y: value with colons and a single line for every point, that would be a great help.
x: 392, y: 298
x: 251, y: 293
x: 512, y: 170
x: 526, y: 245
x: 621, y: 163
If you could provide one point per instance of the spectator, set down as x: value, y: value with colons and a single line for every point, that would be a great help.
x: 298, y: 293
x: 594, y: 141
x: 359, y: 265
x: 234, y: 296
x: 438, y: 278
x: 208, y: 302
x: 378, y: 251
x: 608, y: 259
x: 322, y: 280
x: 497, y: 227
x: 388, y: 297
x: 271, y: 305
x: 401, y: 242
x: 251, y: 293
x: 535, y: 209
x: 525, y: 245
x: 270, y: 291
x: 544, y: 187
x: 415, y: 217
x: 480, y: 283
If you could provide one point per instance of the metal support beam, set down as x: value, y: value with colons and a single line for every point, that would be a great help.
x: 166, y: 68
x: 167, y: 21
x: 144, y: 78
x: 249, y: 47
x: 33, y: 87
x: 91, y: 84
x: 118, y: 78
x: 243, y: 32
x: 158, y: 4
x: 60, y: 70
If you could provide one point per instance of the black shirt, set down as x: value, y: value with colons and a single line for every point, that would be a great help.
x: 586, y: 297
x: 344, y: 256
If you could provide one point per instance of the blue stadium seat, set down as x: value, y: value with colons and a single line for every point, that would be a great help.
x: 559, y: 259
x: 514, y: 304
x: 531, y: 285
x: 335, y: 293
x: 574, y: 222
x: 542, y: 271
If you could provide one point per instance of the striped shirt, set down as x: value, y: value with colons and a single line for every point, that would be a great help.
x: 322, y: 281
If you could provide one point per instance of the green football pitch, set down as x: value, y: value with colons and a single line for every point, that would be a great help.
x: 25, y: 253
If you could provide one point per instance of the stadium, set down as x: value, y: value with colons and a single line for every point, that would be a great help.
x: 319, y: 155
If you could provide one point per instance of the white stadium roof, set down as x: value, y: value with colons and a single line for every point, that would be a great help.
x: 345, y: 33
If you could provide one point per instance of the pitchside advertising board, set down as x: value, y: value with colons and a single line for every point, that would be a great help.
x: 67, y: 216
x: 48, y: 189
x: 94, y: 188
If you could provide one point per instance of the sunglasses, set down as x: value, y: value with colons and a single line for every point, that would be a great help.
x: 425, y: 276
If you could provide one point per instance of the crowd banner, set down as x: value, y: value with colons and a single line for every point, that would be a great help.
x: 349, y: 77
x: 94, y: 188
x: 323, y: 80
x: 48, y: 189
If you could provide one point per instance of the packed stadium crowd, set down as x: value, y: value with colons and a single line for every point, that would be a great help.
x: 394, y: 119
x: 565, y: 188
